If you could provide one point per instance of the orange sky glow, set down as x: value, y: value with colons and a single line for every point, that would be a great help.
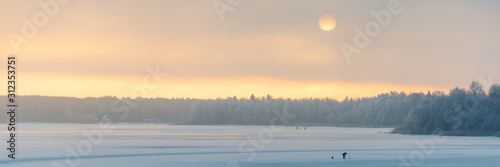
x: 208, y: 88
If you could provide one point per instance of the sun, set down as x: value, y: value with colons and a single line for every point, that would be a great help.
x: 327, y: 22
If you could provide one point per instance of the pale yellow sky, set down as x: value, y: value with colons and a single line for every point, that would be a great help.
x: 84, y: 86
x: 99, y: 48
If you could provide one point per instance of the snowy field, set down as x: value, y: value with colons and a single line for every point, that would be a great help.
x: 182, y: 145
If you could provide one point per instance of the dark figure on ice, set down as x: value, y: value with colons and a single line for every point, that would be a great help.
x: 343, y: 154
x: 332, y: 157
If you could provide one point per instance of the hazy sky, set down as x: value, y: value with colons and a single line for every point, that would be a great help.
x: 96, y: 48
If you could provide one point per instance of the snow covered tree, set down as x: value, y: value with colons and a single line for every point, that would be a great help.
x: 494, y: 91
x: 476, y: 89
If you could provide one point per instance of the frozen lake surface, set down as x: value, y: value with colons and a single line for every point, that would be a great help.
x: 125, y: 145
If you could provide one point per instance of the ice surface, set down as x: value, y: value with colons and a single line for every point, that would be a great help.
x: 41, y: 144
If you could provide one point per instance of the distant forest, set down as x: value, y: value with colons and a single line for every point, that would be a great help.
x: 469, y: 111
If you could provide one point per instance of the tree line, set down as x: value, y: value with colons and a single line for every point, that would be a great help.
x: 462, y: 112
x: 469, y: 111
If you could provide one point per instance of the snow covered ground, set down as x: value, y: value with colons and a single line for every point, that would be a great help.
x: 41, y: 144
